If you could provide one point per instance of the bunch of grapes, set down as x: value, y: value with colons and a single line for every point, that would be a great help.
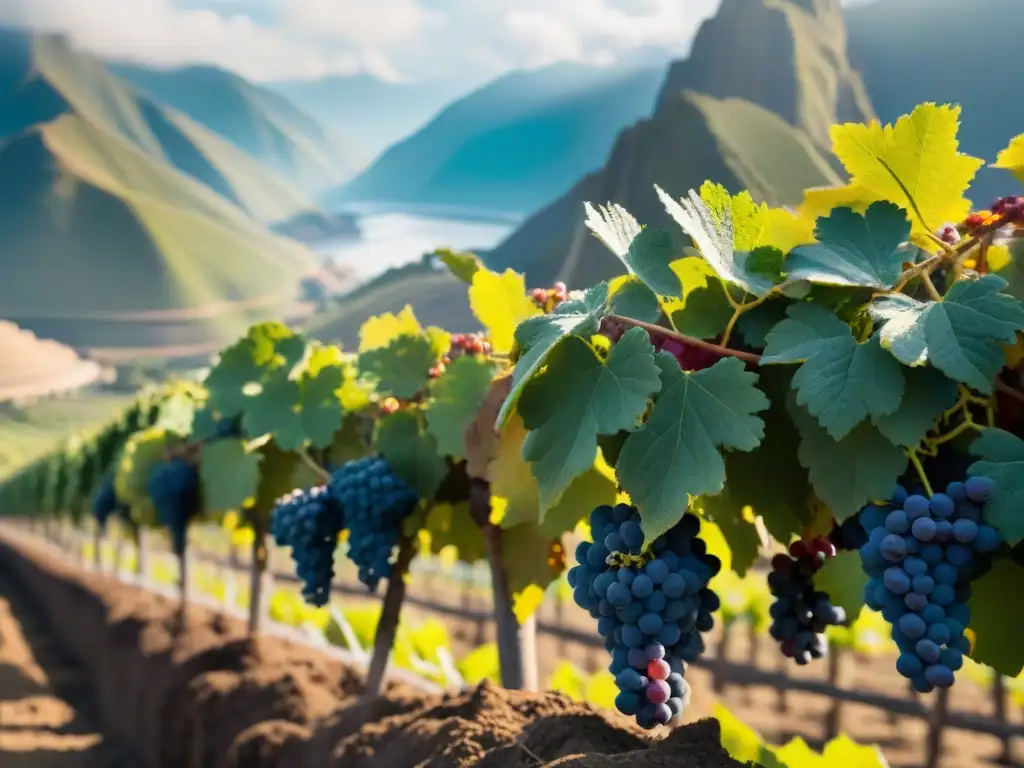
x: 174, y: 488
x: 922, y: 555
x: 105, y: 502
x: 309, y: 521
x: 375, y: 502
x: 800, y: 613
x: 469, y: 344
x: 549, y: 298
x: 651, y: 608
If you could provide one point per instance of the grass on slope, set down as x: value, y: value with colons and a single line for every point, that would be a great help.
x: 27, y: 433
x: 42, y: 78
x: 97, y: 231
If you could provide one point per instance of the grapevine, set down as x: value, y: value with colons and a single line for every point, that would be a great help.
x: 780, y: 378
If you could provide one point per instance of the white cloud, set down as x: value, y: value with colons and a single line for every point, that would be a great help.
x: 277, y: 39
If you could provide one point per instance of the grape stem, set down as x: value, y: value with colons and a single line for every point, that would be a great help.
x: 387, y: 626
x: 747, y: 357
x: 322, y: 473
x: 916, y: 461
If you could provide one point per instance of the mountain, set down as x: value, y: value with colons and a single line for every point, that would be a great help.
x: 42, y: 78
x: 371, y: 112
x: 126, y: 229
x: 946, y: 51
x: 261, y: 122
x: 711, y: 123
x: 513, y: 144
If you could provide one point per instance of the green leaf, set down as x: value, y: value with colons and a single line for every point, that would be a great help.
x: 841, y: 382
x: 349, y: 443
x: 538, y: 336
x: 767, y: 260
x: 451, y: 526
x: 177, y: 414
x: 741, y: 536
x: 712, y: 232
x: 268, y: 349
x: 300, y: 411
x: 961, y: 335
x: 458, y: 393
x: 204, y: 424
x: 928, y: 395
x: 755, y: 324
x: 412, y: 452
x: 1001, y: 457
x: 461, y: 265
x: 844, y: 580
x: 592, y: 489
x: 848, y: 473
x: 647, y: 253
x: 997, y: 629
x: 769, y: 478
x: 230, y: 475
x: 675, y: 454
x: 531, y: 564
x: 281, y: 472
x: 580, y: 397
x: 402, y: 367
x: 634, y: 299
x: 854, y: 250
x: 706, y: 313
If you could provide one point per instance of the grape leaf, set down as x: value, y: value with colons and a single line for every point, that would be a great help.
x: 713, y: 233
x: 142, y: 451
x: 268, y: 349
x: 349, y: 443
x: 177, y: 413
x: 594, y: 488
x: 848, y: 473
x: 1012, y: 158
x: 854, y: 250
x: 510, y: 476
x: 646, y: 253
x: 928, y: 394
x: 300, y: 411
x: 630, y: 297
x: 457, y: 394
x: 769, y: 478
x: 706, y: 313
x: 996, y: 629
x: 532, y: 561
x: 461, y: 265
x: 844, y: 580
x: 402, y: 367
x: 755, y: 324
x: 918, y: 155
x: 500, y: 303
x: 960, y: 335
x: 281, y: 472
x: 412, y: 452
x: 741, y: 535
x: 1001, y: 458
x: 579, y: 397
x: 230, y: 475
x: 481, y: 436
x: 204, y: 424
x: 675, y: 454
x: 840, y: 381
x: 451, y: 526
x: 380, y: 330
x: 538, y: 336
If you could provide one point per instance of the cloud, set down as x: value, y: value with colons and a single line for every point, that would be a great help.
x: 409, y: 39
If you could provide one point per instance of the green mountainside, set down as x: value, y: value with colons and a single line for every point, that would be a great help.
x: 949, y: 52
x: 711, y: 124
x: 127, y: 229
x: 261, y: 122
x: 42, y: 77
x: 513, y: 144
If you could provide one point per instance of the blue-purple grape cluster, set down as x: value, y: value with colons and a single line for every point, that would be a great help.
x: 376, y: 501
x: 105, y: 503
x: 309, y: 521
x: 651, y: 608
x: 174, y: 488
x: 922, y: 555
x: 800, y: 613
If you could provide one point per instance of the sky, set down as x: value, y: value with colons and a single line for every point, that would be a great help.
x: 401, y: 40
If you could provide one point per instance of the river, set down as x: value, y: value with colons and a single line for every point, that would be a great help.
x: 391, y: 239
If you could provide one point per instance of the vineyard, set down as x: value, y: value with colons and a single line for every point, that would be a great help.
x: 809, y: 422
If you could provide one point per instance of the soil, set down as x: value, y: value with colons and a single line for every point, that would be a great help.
x: 204, y: 696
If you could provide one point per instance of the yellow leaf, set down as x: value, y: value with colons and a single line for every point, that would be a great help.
x: 998, y: 258
x: 918, y: 155
x: 526, y: 602
x: 601, y: 690
x: 820, y: 201
x: 510, y: 475
x: 796, y: 754
x: 693, y: 273
x: 500, y: 304
x: 481, y: 664
x: 843, y: 752
x: 380, y: 330
x: 716, y: 543
x: 738, y: 739
x: 568, y: 679
x: 1012, y: 158
x: 756, y: 225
